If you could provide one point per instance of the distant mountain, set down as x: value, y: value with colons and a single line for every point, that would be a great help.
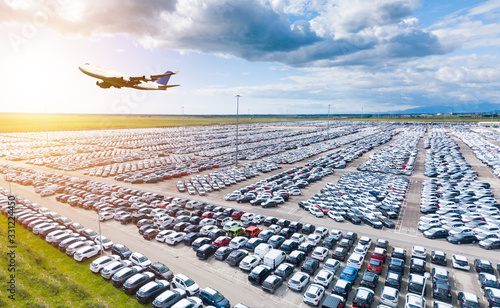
x: 457, y: 108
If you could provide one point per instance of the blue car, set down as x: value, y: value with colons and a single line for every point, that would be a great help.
x: 349, y: 273
x: 210, y: 296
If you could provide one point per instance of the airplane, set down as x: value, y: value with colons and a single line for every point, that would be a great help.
x: 111, y: 78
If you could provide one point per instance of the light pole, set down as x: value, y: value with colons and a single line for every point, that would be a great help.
x: 237, y: 116
x: 182, y: 120
x: 100, y: 235
x: 328, y: 126
x: 427, y: 275
x: 362, y: 114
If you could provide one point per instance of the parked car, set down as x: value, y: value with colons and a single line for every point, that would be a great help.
x: 210, y: 296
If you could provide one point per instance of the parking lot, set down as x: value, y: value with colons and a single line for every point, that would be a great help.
x: 231, y: 281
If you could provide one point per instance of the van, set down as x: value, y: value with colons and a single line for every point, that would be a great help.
x: 235, y: 231
x: 252, y: 231
x: 333, y: 301
x: 221, y: 221
x: 262, y: 249
x: 274, y: 258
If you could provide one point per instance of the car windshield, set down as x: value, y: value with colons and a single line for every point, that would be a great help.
x: 143, y: 259
x: 189, y: 282
x: 218, y: 297
x: 310, y: 295
x: 163, y: 269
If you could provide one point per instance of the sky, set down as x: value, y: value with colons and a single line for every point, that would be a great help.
x: 281, y: 56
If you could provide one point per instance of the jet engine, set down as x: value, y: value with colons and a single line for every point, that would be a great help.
x: 103, y: 84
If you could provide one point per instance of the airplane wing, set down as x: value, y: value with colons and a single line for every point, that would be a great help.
x: 152, y: 77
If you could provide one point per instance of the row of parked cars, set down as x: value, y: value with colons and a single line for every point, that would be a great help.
x: 131, y: 271
x: 361, y: 197
x: 485, y: 151
x: 399, y: 157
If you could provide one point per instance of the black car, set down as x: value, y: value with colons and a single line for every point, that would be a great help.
x: 166, y: 226
x: 283, y: 223
x: 126, y: 219
x: 308, y: 229
x: 259, y: 274
x: 289, y: 246
x: 329, y: 242
x: 284, y: 270
x: 434, y: 233
x: 122, y: 275
x: 306, y: 247
x: 462, y: 238
x: 492, y: 297
x: 310, y: 266
x: 252, y: 243
x: 180, y: 226
x: 342, y: 287
x: 369, y: 280
x: 345, y: 243
x: 416, y: 283
x: 441, y: 290
x: 191, y: 237
x: 339, y: 253
x: 205, y: 251
x: 133, y: 284
x: 393, y: 279
x: 121, y: 250
x: 147, y: 293
x: 363, y: 298
x: 161, y: 271
x: 215, y: 234
x: 223, y: 252
x: 271, y: 283
x: 236, y: 256
x: 192, y: 229
x: 296, y: 257
x: 417, y: 266
x: 353, y: 218
x: 286, y: 232
x: 483, y: 266
x: 396, y: 265
x: 295, y: 226
x: 146, y: 227
x: 468, y: 300
x: 439, y: 257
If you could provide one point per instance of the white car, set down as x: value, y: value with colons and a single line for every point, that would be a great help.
x: 228, y: 225
x: 336, y: 234
x: 331, y: 265
x: 247, y: 216
x: 324, y: 278
x: 249, y: 262
x: 259, y: 218
x: 190, y: 302
x: 361, y: 249
x: 162, y: 235
x: 109, y: 270
x: 175, y: 238
x: 419, y: 252
x: 314, y: 239
x: 460, y: 262
x: 414, y: 301
x: 320, y: 253
x: 314, y: 294
x: 298, y: 281
x: 85, y: 253
x: 207, y: 229
x: 275, y: 228
x: 238, y: 242
x: 389, y: 296
x: 355, y: 260
x: 139, y: 259
x: 207, y: 222
x: 335, y: 216
x: 298, y: 237
x: 98, y: 264
x: 106, y: 242
x: 70, y: 251
x: 103, y: 216
x: 187, y: 284
x: 322, y: 231
x: 316, y: 212
x: 52, y: 235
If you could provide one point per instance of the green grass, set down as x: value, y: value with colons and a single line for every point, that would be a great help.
x: 46, y: 277
x: 27, y: 122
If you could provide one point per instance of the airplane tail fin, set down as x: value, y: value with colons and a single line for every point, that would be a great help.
x: 164, y: 80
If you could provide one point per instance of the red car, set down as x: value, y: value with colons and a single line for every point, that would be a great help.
x: 237, y: 214
x: 222, y: 241
x: 375, y: 265
x: 207, y: 214
x: 379, y: 254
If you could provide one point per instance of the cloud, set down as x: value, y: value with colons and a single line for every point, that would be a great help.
x: 297, y: 33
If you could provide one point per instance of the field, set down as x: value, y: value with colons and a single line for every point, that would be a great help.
x: 46, y: 277
x: 10, y: 123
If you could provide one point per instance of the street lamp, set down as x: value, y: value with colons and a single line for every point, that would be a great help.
x: 100, y: 235
x: 427, y: 275
x: 182, y: 120
x: 328, y: 126
x: 237, y: 115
